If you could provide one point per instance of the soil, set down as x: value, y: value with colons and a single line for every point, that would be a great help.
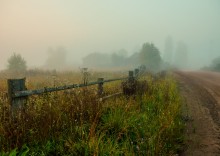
x: 201, y: 99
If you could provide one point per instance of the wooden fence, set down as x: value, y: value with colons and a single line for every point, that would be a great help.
x: 18, y: 93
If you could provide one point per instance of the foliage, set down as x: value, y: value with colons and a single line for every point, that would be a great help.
x: 216, y: 64
x: 181, y: 55
x: 76, y: 123
x: 168, y: 51
x: 119, y: 58
x: 56, y: 58
x: 150, y: 56
x: 97, y: 59
x: 100, y: 60
x: 16, y: 63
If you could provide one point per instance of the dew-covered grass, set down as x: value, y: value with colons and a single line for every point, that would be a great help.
x: 76, y: 122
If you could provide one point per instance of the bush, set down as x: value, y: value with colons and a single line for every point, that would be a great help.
x: 17, y: 63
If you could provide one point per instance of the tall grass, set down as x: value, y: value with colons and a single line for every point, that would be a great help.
x: 77, y: 123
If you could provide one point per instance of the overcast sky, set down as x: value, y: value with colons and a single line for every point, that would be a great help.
x: 29, y: 27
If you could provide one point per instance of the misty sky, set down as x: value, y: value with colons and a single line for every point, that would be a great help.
x: 30, y: 27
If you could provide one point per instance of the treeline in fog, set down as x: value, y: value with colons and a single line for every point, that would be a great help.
x: 149, y: 55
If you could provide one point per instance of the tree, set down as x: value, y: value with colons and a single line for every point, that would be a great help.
x: 97, y: 59
x: 181, y: 56
x: 56, y: 58
x: 168, y: 51
x: 17, y: 63
x: 150, y: 57
x: 119, y: 58
x: 216, y: 64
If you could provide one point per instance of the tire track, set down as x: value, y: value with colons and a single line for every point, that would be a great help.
x: 202, y: 131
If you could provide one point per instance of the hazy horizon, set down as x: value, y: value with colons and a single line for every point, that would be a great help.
x: 30, y: 27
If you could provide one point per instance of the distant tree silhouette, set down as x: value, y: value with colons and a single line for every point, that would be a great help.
x: 168, y: 51
x: 56, y: 58
x: 97, y: 59
x: 181, y: 55
x: 216, y: 64
x: 119, y: 58
x: 16, y: 63
x: 150, y: 57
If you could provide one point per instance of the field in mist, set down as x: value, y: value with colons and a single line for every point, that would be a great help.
x: 77, y: 122
x: 143, y: 50
x: 40, y: 31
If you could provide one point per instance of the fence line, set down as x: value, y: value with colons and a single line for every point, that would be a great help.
x: 23, y: 93
x: 18, y: 93
x: 110, y: 96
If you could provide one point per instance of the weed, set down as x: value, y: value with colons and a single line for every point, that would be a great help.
x: 76, y: 123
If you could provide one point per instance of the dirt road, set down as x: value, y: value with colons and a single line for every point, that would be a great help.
x: 201, y: 95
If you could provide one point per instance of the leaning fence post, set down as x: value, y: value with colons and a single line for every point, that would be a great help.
x: 130, y: 75
x: 85, y: 74
x: 129, y: 87
x: 100, y: 86
x: 16, y: 103
x: 136, y: 72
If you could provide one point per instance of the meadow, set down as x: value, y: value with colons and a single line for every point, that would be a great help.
x: 77, y: 122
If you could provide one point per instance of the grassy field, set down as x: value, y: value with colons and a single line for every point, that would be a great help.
x: 75, y: 122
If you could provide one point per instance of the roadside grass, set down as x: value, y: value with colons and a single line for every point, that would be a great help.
x: 76, y: 123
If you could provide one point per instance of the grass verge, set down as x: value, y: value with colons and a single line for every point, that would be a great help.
x: 76, y: 123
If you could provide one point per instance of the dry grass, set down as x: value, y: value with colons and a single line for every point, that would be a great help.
x: 75, y: 122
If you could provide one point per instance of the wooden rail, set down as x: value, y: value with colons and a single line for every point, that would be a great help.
x: 18, y: 93
x: 23, y: 93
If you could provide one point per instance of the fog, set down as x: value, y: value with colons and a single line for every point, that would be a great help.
x: 32, y: 27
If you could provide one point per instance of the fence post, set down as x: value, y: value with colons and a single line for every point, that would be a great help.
x: 129, y: 86
x: 100, y: 86
x: 131, y: 82
x: 136, y: 72
x: 85, y: 74
x: 17, y: 103
x: 130, y: 75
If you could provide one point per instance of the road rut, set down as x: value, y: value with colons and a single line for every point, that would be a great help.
x: 201, y: 97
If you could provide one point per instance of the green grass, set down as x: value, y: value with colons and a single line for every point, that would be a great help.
x: 76, y: 123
